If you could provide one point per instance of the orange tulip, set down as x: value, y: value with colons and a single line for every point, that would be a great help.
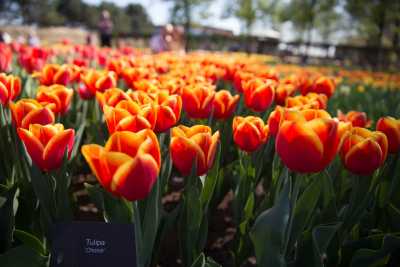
x: 321, y: 85
x: 56, y: 94
x: 224, y: 104
x: 190, y: 144
x: 97, y: 81
x: 54, y: 74
x: 363, y: 151
x: 391, y: 128
x: 283, y: 91
x: 168, y: 110
x: 259, y: 93
x: 128, y: 165
x: 356, y: 118
x: 129, y: 116
x: 281, y: 114
x: 10, y: 88
x: 29, y: 111
x: 249, y: 133
x: 309, y: 101
x: 308, y: 142
x: 111, y: 97
x: 198, y: 100
x: 47, y: 144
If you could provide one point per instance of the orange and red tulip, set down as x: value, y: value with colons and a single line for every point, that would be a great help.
x: 363, y: 151
x: 111, y: 97
x: 54, y: 74
x: 10, y: 88
x: 321, y: 85
x: 391, y: 128
x: 249, y: 133
x: 97, y: 81
x: 168, y: 108
x: 309, y: 101
x: 198, y: 100
x: 283, y: 91
x: 29, y: 111
x: 224, y: 104
x: 129, y: 116
x: 190, y: 144
x: 128, y: 165
x: 47, y: 144
x: 356, y: 118
x: 259, y: 93
x: 307, y: 145
x: 58, y: 95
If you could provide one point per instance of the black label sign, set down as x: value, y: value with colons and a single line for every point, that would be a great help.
x: 85, y: 244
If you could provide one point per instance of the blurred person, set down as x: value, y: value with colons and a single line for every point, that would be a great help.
x: 89, y: 39
x: 1, y: 37
x: 33, y: 39
x: 105, y: 28
x: 158, y: 41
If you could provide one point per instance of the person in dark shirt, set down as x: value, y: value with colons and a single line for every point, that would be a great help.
x: 105, y: 28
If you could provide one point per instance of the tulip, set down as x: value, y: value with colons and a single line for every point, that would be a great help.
x: 47, y: 144
x: 249, y: 133
x: 240, y: 78
x: 356, y: 118
x: 56, y: 94
x: 6, y: 56
x: 307, y: 146
x: 309, y: 101
x: 259, y: 94
x: 363, y: 151
x: 391, y: 128
x: 224, y: 104
x: 281, y: 114
x: 190, y: 144
x: 10, y: 88
x: 54, y: 74
x: 323, y: 85
x: 168, y: 110
x: 29, y: 111
x: 198, y: 100
x: 283, y: 91
x: 97, y: 81
x: 128, y: 165
x: 320, y: 85
x: 129, y: 116
x: 111, y: 97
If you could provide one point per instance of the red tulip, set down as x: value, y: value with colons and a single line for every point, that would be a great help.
x: 47, y: 144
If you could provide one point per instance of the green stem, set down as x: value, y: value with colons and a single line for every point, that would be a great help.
x: 295, y: 189
x: 138, y: 234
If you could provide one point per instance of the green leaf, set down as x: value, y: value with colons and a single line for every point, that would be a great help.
x: 31, y: 241
x: 3, y: 201
x: 77, y: 141
x: 268, y: 232
x: 22, y: 256
x: 151, y: 222
x: 7, y: 218
x: 116, y: 210
x: 202, y: 261
x: 96, y: 195
x: 304, y: 209
x: 211, y: 181
x: 322, y: 235
x: 369, y: 257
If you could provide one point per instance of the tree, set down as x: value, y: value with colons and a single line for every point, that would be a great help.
x: 376, y: 19
x: 140, y: 21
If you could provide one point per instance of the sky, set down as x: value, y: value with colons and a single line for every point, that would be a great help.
x: 159, y: 10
